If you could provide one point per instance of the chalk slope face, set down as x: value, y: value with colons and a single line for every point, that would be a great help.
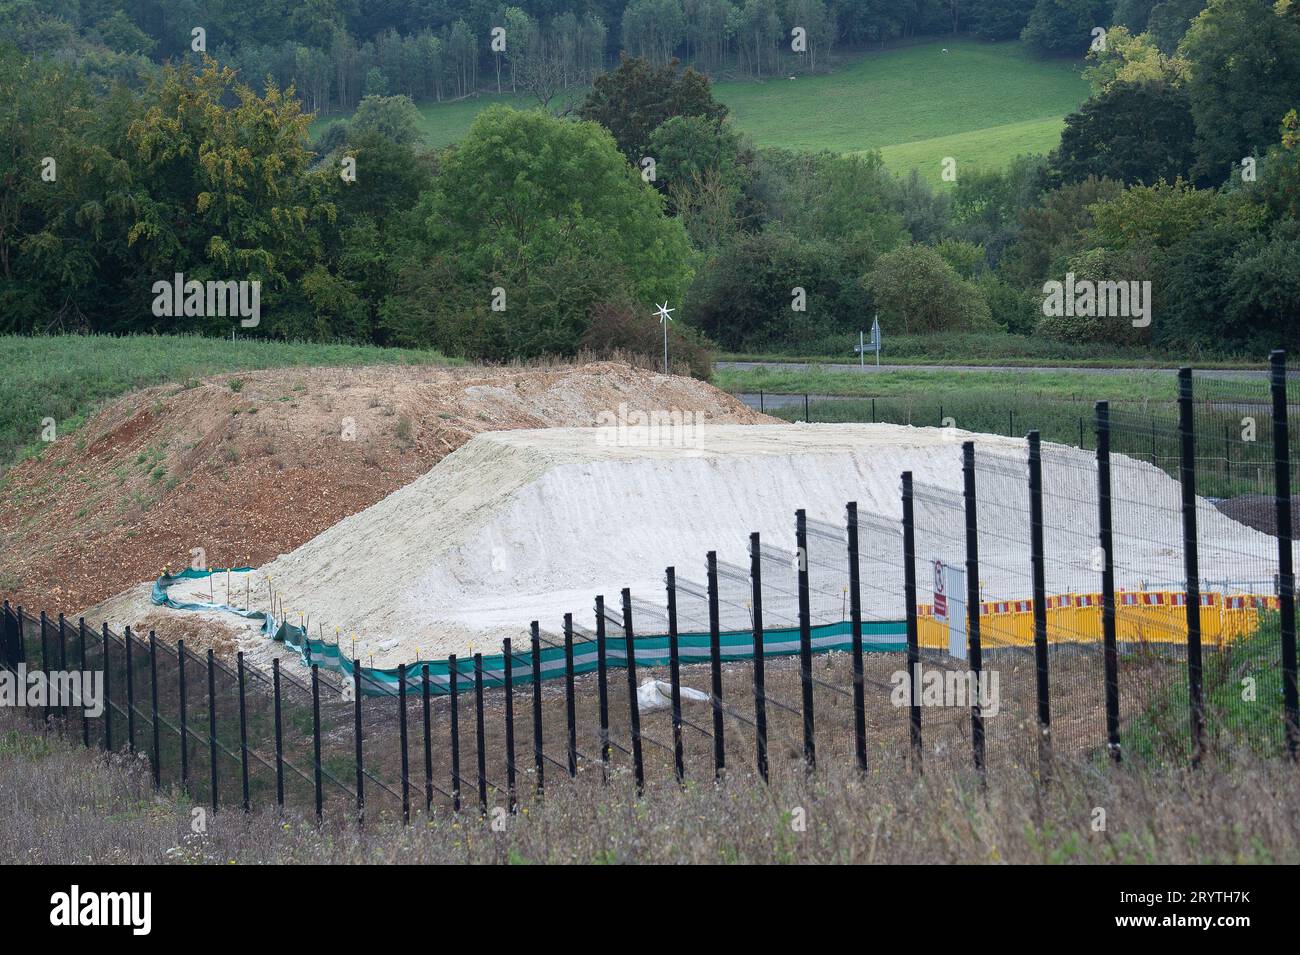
x: 530, y: 524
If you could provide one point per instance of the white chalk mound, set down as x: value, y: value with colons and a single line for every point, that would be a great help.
x: 530, y: 524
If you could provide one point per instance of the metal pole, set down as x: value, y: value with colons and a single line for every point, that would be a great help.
x: 538, y: 754
x: 634, y: 711
x: 909, y: 602
x: 715, y: 668
x: 358, y: 737
x: 1106, y: 541
x: 184, y: 717
x: 602, y: 688
x: 153, y: 705
x: 1286, y: 571
x: 453, y: 676
x: 108, y: 670
x: 805, y: 639
x: 243, y: 729
x: 81, y: 641
x: 507, y: 656
x: 428, y: 739
x: 279, y: 735
x: 973, y: 600
x: 675, y: 677
x: 570, y: 712
x: 315, y: 735
x: 401, y: 736
x: 45, y: 665
x: 1038, y: 565
x: 481, y: 743
x: 130, y: 685
x: 760, y: 691
x: 212, y: 727
x: 855, y: 618
x: 1187, y: 480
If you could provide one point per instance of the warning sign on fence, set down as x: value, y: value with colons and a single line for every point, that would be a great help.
x: 940, y: 594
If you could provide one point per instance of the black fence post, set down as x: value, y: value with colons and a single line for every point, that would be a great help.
x: 22, y: 636
x: 855, y: 621
x: 63, y: 663
x: 279, y: 735
x: 243, y: 729
x: 1038, y: 567
x: 909, y: 609
x: 108, y: 684
x: 153, y: 706
x: 973, y: 602
x: 482, y: 743
x: 184, y: 717
x: 634, y: 710
x: 1105, y: 538
x: 81, y: 643
x: 130, y: 685
x: 507, y: 655
x: 315, y: 736
x: 760, y: 689
x: 45, y: 665
x: 715, y: 667
x: 212, y: 727
x: 805, y: 639
x: 428, y: 739
x: 570, y: 708
x: 1187, y: 480
x: 675, y: 676
x: 453, y: 677
x: 602, y: 687
x: 539, y: 756
x: 402, y: 738
x: 1285, y: 567
x: 358, y: 737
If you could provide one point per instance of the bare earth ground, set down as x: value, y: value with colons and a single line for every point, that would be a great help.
x: 252, y: 465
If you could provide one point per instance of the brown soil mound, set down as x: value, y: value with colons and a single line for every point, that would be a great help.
x: 249, y: 466
x: 1258, y: 511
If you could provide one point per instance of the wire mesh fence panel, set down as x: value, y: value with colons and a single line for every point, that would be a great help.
x: 943, y: 691
x: 1238, y: 556
x: 1008, y: 682
x: 166, y: 677
x: 90, y: 659
x: 880, y: 573
x: 1072, y: 572
x: 259, y: 715
x: 1151, y: 589
x: 338, y: 790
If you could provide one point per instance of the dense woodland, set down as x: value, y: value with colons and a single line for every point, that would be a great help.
x: 539, y: 234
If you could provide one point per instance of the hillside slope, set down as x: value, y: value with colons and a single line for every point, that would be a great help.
x: 251, y: 466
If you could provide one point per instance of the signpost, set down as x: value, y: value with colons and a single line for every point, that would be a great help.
x: 865, y: 346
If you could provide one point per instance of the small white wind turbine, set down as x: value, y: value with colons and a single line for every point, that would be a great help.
x: 664, y: 318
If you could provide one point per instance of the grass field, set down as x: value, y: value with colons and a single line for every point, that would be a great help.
x: 980, y: 103
x: 67, y: 377
x: 995, y: 347
x: 1007, y: 387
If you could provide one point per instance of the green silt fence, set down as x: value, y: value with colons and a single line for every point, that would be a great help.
x: 878, y: 636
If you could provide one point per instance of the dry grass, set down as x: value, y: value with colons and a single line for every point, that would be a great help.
x: 65, y: 804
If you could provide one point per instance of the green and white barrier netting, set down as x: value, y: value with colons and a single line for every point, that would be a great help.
x: 878, y: 636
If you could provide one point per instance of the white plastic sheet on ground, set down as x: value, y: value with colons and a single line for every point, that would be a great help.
x: 658, y: 695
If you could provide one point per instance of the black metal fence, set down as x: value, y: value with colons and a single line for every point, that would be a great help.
x: 1086, y: 661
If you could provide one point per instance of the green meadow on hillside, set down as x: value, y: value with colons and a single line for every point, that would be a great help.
x: 980, y: 103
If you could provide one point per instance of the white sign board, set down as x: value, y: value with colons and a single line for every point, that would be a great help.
x: 955, y: 585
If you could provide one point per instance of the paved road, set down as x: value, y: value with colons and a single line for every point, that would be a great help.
x: 1225, y: 373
